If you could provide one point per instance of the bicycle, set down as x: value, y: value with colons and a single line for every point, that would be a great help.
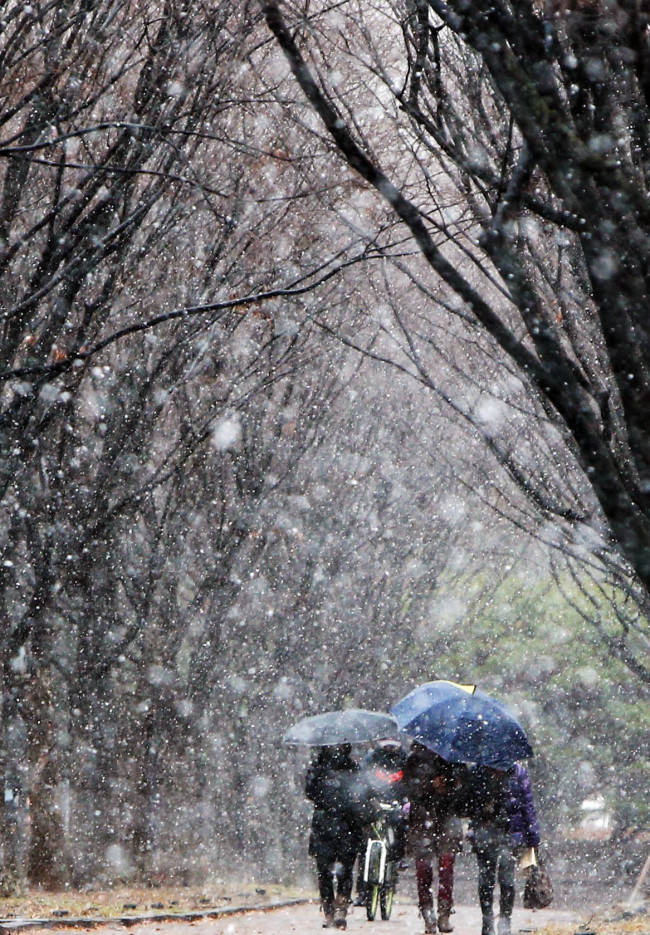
x: 381, y: 860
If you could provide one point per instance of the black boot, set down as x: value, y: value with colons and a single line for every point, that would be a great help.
x: 362, y: 892
x: 488, y: 924
x: 340, y: 912
x: 328, y: 911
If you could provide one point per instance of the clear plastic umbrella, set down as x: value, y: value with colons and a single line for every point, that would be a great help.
x: 352, y: 725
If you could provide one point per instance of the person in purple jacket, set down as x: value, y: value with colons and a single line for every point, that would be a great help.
x: 503, y: 823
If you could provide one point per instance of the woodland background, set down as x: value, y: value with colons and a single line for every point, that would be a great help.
x: 312, y: 391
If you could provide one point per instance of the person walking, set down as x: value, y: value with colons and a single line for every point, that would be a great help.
x: 382, y: 775
x: 336, y: 831
x: 434, y: 789
x: 503, y: 823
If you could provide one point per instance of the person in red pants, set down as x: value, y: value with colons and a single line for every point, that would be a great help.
x: 424, y: 877
x: 434, y: 789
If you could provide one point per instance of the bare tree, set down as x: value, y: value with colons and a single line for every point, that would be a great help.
x: 510, y: 142
x: 132, y: 276
x: 203, y: 513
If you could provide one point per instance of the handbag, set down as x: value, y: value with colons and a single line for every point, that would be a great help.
x: 538, y: 892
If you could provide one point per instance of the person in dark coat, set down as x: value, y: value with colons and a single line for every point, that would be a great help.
x: 336, y: 833
x: 382, y: 775
x: 383, y: 768
x: 434, y: 789
x: 503, y: 823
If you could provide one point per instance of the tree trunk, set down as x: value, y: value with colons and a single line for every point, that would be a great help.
x: 142, y: 836
x: 12, y: 874
x: 47, y: 860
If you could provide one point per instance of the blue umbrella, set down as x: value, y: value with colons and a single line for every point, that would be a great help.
x: 462, y: 724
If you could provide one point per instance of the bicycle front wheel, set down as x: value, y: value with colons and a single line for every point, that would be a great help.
x: 386, y: 894
x: 372, y: 901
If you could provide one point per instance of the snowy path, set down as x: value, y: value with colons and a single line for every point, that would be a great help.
x: 308, y: 920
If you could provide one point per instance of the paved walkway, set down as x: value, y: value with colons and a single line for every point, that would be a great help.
x: 307, y: 920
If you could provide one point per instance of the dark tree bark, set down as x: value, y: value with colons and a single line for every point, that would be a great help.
x: 535, y: 117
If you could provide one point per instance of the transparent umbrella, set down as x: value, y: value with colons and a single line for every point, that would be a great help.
x: 352, y: 725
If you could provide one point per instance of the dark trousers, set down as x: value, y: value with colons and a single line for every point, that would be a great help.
x: 328, y: 869
x: 496, y: 859
x: 362, y: 886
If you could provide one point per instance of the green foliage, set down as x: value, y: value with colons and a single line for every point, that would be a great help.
x: 586, y: 715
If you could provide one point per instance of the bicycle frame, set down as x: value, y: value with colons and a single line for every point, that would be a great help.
x: 374, y: 871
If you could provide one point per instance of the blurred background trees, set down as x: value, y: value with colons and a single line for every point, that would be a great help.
x: 508, y: 143
x: 220, y: 509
